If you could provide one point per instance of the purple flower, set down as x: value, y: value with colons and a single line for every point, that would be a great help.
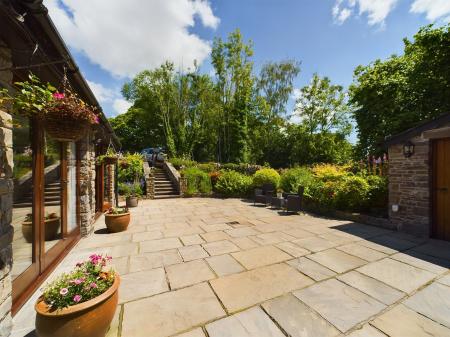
x: 64, y: 291
x: 93, y: 285
x: 77, y: 298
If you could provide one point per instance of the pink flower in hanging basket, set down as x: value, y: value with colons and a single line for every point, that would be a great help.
x: 58, y: 95
x: 96, y: 119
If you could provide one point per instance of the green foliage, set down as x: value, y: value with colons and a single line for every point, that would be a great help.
x: 266, y: 176
x: 292, y: 179
x: 247, y: 169
x: 130, y: 189
x: 207, y: 167
x: 197, y: 181
x: 322, y: 107
x: 352, y: 193
x: 378, y: 192
x: 22, y: 165
x: 233, y: 184
x: 32, y: 98
x: 179, y: 163
x: 87, y: 281
x: 131, y: 168
x: 402, y: 91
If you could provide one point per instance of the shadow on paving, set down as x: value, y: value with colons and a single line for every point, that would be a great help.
x: 430, y: 250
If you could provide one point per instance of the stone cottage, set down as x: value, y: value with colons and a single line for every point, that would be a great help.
x: 38, y: 175
x: 419, y: 179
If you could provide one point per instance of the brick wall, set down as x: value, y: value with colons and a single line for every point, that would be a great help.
x: 6, y: 199
x: 409, y: 180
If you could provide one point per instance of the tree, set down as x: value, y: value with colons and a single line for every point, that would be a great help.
x: 399, y: 93
x: 234, y: 85
x: 322, y: 107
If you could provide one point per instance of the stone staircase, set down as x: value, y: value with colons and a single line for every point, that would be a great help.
x: 52, y: 196
x: 164, y: 187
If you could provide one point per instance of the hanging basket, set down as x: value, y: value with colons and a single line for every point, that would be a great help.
x: 66, y: 130
x: 110, y: 160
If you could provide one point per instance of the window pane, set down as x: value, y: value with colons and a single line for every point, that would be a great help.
x: 23, y: 197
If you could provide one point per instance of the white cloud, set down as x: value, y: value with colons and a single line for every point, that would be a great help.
x: 121, y: 106
x: 125, y: 37
x: 375, y: 10
x: 103, y: 94
x: 434, y: 9
x: 109, y: 97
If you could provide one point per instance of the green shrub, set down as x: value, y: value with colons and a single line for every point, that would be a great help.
x: 327, y: 172
x: 131, y: 168
x: 378, y: 192
x: 233, y: 184
x: 197, y: 181
x: 127, y: 189
x: 291, y: 179
x: 352, y: 194
x: 180, y: 163
x: 248, y: 169
x: 207, y: 167
x: 266, y: 176
x: 322, y: 194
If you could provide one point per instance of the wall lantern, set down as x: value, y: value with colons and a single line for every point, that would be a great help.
x: 408, y: 149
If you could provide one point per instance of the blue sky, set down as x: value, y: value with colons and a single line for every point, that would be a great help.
x: 112, y: 40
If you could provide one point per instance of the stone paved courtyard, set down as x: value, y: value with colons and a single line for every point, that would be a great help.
x: 226, y: 268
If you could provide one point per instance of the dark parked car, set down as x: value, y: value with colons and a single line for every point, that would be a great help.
x: 153, y: 153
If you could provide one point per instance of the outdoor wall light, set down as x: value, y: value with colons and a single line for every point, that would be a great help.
x: 408, y: 149
x: 395, y: 208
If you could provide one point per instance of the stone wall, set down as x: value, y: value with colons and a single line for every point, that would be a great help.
x: 110, y: 189
x: 6, y: 200
x: 149, y: 182
x: 87, y: 185
x: 409, y: 187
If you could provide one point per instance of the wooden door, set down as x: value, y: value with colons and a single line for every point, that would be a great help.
x: 441, y: 199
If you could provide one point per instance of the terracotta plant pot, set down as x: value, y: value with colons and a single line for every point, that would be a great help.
x: 106, y: 206
x: 117, y: 222
x: 88, y: 319
x: 132, y: 201
x: 51, y: 229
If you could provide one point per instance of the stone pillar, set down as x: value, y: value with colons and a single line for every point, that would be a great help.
x: 149, y: 182
x: 6, y: 200
x: 87, y: 185
x: 110, y: 188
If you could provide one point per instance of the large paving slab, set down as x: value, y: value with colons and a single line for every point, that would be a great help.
x: 240, y: 291
x: 142, y: 284
x: 220, y: 247
x: 397, y: 274
x: 188, y: 273
x: 404, y: 322
x: 292, y: 249
x: 422, y: 261
x: 372, y: 287
x: 315, y: 243
x: 193, y: 333
x: 193, y: 252
x: 297, y: 319
x: 158, y: 245
x: 249, y: 323
x: 171, y: 313
x: 154, y: 260
x: 340, y: 304
x: 224, y: 265
x: 367, y: 331
x: 362, y: 252
x: 260, y: 256
x: 432, y: 302
x: 313, y: 269
x: 337, y: 260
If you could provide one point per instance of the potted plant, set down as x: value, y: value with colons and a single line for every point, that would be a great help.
x: 132, y: 193
x: 279, y: 193
x: 117, y: 219
x: 79, y: 303
x: 52, y: 225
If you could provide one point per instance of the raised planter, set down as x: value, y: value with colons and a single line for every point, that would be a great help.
x: 117, y: 222
x: 87, y: 319
x: 132, y: 201
x: 51, y: 229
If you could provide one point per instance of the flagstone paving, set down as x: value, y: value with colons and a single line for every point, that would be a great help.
x: 225, y: 268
